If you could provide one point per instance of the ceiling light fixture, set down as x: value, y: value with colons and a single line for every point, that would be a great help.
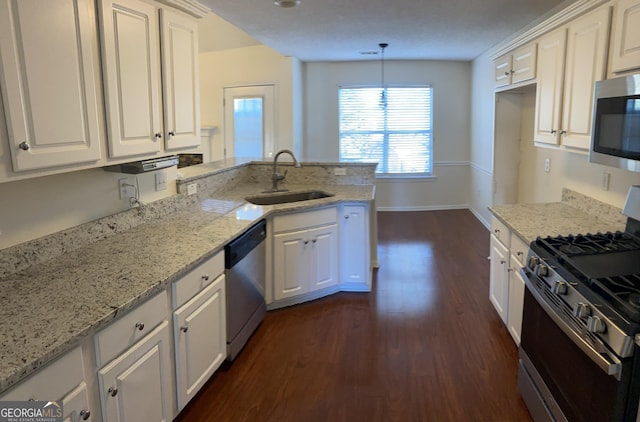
x: 383, y: 94
x: 286, y: 3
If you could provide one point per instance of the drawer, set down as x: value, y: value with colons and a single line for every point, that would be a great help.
x: 519, y: 249
x: 197, y: 279
x: 500, y: 230
x: 305, y: 219
x: 130, y: 328
x: 52, y: 382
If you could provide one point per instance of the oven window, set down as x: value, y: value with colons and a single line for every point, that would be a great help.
x: 583, y: 391
x: 618, y: 126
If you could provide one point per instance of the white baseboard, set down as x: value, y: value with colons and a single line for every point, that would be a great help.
x: 480, y: 219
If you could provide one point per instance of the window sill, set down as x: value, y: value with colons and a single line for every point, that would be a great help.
x: 400, y: 178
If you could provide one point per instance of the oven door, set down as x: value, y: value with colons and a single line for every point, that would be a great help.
x: 559, y: 375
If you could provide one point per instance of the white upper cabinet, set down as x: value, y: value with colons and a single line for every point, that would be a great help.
x: 564, y: 98
x: 586, y: 63
x: 180, y: 80
x: 50, y: 82
x: 516, y: 67
x: 551, y: 53
x: 625, y: 37
x: 131, y: 64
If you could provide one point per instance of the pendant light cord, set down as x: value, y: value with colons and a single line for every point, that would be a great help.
x: 383, y: 95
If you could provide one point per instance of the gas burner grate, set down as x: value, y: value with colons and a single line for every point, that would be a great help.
x: 590, y: 244
x: 623, y: 292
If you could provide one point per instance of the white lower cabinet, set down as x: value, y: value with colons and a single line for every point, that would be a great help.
x: 61, y: 380
x: 136, y: 385
x: 499, y: 277
x: 506, y: 285
x: 199, y: 331
x: 305, y: 252
x: 355, y: 248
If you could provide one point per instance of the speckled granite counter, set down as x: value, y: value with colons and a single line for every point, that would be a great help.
x: 51, y: 305
x: 573, y: 215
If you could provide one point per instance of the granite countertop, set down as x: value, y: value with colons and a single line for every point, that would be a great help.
x: 48, y: 308
x: 529, y: 221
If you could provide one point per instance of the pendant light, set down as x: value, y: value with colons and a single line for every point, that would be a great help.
x: 383, y: 94
x: 286, y: 3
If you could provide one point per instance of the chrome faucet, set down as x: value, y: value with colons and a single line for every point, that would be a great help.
x: 276, y: 177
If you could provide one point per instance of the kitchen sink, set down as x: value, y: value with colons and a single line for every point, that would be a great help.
x: 286, y: 197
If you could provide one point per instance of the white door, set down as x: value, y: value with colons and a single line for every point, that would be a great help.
x: 181, y: 95
x: 131, y: 64
x: 499, y: 278
x: 76, y: 405
x: 50, y: 84
x: 323, y: 257
x: 249, y: 121
x: 291, y: 264
x: 354, y: 245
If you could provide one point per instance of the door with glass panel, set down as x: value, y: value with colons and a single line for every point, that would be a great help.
x: 249, y: 121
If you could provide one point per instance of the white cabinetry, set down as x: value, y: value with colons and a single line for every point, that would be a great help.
x: 506, y: 285
x: 50, y: 82
x: 355, y: 252
x: 199, y: 326
x: 60, y: 380
x: 625, y: 37
x: 305, y: 252
x: 516, y: 67
x: 132, y: 76
x: 570, y: 61
x: 498, y: 273
x: 136, y: 384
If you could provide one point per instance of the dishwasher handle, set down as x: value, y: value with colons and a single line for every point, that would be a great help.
x: 240, y: 247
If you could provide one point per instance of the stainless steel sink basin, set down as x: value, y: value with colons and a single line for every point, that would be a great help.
x: 286, y: 197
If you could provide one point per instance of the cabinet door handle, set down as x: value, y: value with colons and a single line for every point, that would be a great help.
x: 314, y: 240
x: 158, y: 135
x: 519, y: 253
x: 306, y: 242
x: 506, y: 73
x: 24, y: 146
x: 85, y: 414
x: 205, y: 277
x: 184, y: 328
x: 553, y: 131
x: 496, y: 231
x: 112, y: 391
x: 563, y: 132
x: 346, y: 217
x: 140, y: 326
x: 172, y: 133
x: 502, y: 261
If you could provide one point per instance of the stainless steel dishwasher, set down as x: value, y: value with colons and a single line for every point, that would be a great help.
x: 245, y: 275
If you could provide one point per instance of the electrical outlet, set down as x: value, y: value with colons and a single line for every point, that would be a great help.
x: 192, y: 189
x: 547, y: 165
x: 605, y: 180
x: 340, y: 171
x: 126, y: 189
x: 161, y: 180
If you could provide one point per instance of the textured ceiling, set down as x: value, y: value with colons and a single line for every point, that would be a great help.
x: 338, y: 30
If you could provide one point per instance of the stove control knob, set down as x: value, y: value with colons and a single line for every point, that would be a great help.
x: 542, y: 270
x: 596, y: 325
x: 582, y: 310
x: 533, y: 261
x: 560, y: 288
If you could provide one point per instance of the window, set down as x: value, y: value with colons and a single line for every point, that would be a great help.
x: 392, y: 128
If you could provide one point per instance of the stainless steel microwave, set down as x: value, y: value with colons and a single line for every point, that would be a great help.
x: 615, y: 135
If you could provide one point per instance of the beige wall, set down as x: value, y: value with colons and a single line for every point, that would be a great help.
x: 254, y: 65
x: 452, y: 90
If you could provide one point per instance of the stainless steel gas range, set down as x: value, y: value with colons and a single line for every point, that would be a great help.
x: 579, y: 359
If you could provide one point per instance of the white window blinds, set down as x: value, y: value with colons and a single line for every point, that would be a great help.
x: 392, y: 128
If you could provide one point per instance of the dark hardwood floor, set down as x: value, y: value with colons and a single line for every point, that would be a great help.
x: 425, y: 345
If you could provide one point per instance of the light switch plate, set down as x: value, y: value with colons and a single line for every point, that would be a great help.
x: 161, y: 180
x: 192, y: 189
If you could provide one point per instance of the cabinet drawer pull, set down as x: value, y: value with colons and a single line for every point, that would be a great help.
x: 184, y: 328
x: 519, y: 253
x: 112, y: 391
x: 140, y: 326
x: 85, y: 414
x: 346, y: 217
x: 24, y: 146
x: 314, y: 240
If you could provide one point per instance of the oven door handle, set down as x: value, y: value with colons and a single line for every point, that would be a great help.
x: 611, y: 365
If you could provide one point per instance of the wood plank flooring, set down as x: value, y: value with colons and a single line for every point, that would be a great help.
x: 425, y: 345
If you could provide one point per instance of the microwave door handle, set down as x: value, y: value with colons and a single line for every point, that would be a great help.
x: 614, y: 369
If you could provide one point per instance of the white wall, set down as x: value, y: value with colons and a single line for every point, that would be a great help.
x: 215, y: 34
x: 481, y: 137
x: 253, y: 65
x: 452, y: 90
